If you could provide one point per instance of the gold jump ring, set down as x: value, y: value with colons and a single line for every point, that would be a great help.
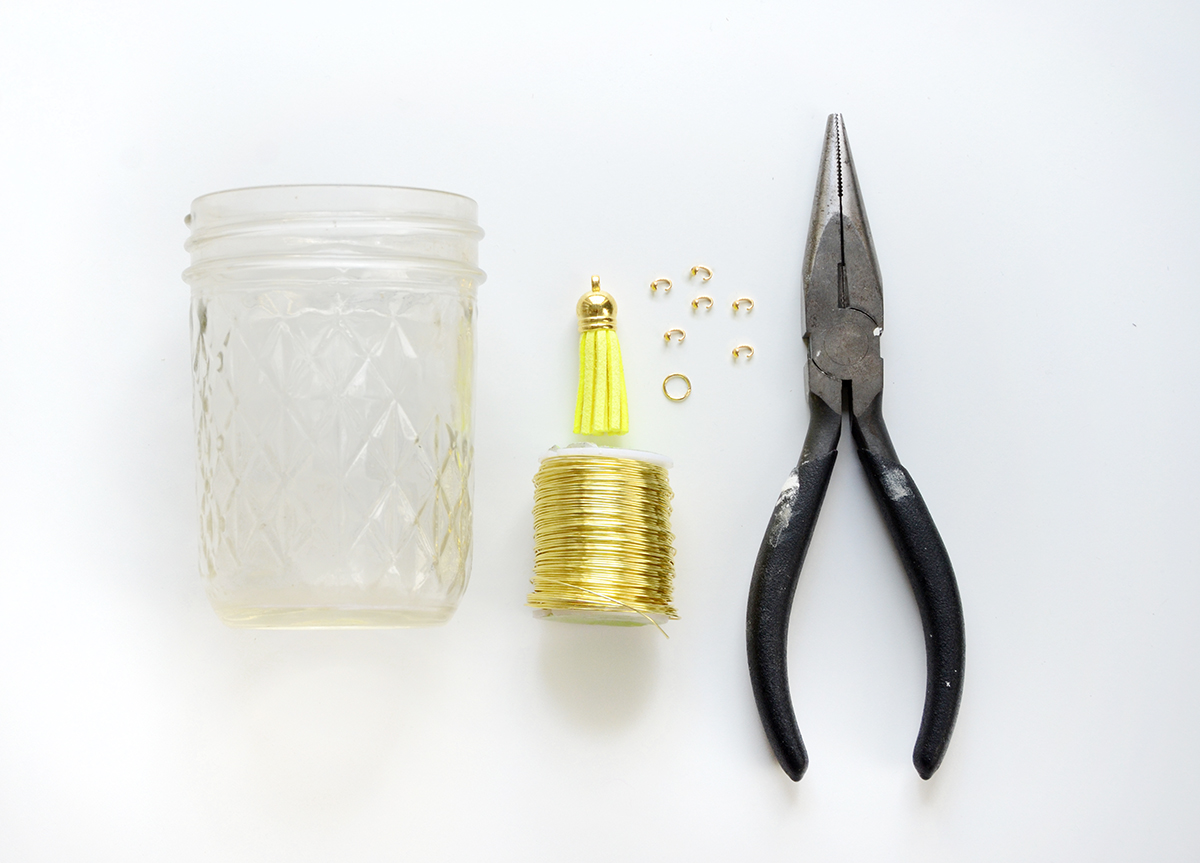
x: 683, y: 378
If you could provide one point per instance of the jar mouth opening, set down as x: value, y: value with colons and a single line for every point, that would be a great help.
x: 375, y: 231
x: 254, y: 203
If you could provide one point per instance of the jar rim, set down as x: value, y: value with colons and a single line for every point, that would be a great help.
x: 283, y: 200
x: 376, y: 232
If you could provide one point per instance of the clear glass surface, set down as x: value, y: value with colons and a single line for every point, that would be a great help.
x: 334, y: 421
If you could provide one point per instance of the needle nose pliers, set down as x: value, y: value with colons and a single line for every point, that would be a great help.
x: 843, y: 308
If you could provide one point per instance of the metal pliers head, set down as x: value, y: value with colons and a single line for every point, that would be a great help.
x: 843, y: 291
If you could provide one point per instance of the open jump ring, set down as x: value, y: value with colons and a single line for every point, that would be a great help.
x: 665, y: 283
x: 683, y: 378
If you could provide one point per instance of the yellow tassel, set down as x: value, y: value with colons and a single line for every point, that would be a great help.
x: 600, y: 407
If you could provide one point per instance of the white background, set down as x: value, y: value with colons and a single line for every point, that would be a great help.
x: 1030, y: 172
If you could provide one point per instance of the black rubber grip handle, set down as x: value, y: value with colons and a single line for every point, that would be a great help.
x: 773, y: 586
x: 932, y: 577
x: 777, y: 571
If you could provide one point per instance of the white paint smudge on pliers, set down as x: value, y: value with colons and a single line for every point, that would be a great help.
x: 895, y: 483
x: 783, y: 506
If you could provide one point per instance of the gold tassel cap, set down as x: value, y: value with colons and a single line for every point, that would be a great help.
x: 597, y: 310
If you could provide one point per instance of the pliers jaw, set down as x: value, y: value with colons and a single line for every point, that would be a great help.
x: 843, y: 291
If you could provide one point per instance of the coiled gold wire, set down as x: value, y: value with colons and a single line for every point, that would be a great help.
x: 602, y: 539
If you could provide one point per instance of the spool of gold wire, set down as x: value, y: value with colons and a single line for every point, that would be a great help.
x: 603, y: 548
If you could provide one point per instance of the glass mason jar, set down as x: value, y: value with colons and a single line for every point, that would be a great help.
x: 333, y: 354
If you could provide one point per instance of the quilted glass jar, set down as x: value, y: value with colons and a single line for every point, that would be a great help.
x: 332, y: 355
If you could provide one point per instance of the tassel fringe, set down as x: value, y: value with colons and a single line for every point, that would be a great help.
x: 601, y: 407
